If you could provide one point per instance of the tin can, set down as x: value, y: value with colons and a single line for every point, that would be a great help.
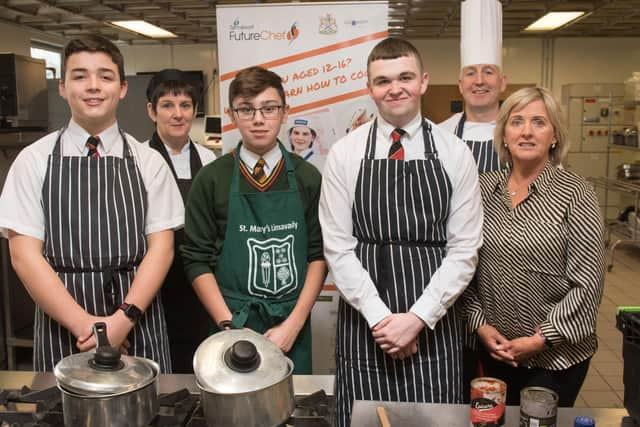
x: 538, y: 407
x: 488, y: 398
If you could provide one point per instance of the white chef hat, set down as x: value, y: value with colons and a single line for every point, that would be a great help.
x: 480, y: 32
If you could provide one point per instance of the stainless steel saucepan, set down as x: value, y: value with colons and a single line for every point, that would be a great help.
x: 244, y: 380
x: 106, y: 389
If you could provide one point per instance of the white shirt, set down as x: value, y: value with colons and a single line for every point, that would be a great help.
x: 473, y: 131
x: 21, y: 199
x: 182, y: 161
x: 313, y: 157
x: 271, y: 158
x: 464, y: 227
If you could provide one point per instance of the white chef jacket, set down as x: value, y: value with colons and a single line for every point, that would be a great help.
x: 464, y: 226
x: 182, y: 161
x: 473, y: 131
x: 21, y: 198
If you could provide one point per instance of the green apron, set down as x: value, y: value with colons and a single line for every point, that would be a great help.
x: 263, y: 264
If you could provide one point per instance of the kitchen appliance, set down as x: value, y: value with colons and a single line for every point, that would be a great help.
x: 104, y: 388
x: 26, y: 407
x: 629, y: 171
x: 237, y: 369
x: 628, y: 322
x: 23, y: 92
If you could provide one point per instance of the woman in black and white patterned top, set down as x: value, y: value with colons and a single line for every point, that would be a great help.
x: 541, y: 271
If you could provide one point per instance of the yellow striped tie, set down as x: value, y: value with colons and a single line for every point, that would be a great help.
x: 258, y: 171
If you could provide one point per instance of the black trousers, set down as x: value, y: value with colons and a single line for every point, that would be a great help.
x: 566, y: 383
x: 471, y: 369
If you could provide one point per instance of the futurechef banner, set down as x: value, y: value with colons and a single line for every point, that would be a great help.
x: 320, y: 51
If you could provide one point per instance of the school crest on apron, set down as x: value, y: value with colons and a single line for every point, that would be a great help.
x: 272, y: 266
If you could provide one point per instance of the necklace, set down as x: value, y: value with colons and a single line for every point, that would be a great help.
x: 514, y: 191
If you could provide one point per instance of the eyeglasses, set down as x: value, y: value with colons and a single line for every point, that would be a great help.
x: 248, y: 113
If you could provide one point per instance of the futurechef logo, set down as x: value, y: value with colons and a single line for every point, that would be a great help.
x: 239, y: 33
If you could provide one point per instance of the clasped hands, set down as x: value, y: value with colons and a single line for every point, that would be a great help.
x: 512, y: 352
x: 118, y: 327
x: 397, y: 334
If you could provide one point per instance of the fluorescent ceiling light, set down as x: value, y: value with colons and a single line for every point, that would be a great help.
x: 144, y: 28
x: 553, y: 20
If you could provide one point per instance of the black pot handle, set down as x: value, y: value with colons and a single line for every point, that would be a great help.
x: 107, y: 358
x: 225, y: 324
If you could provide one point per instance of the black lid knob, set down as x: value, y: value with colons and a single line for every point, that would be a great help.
x: 242, y: 356
x: 107, y: 358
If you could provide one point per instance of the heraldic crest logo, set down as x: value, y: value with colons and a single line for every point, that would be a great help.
x: 272, y: 267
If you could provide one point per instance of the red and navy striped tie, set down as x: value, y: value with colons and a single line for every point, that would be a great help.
x: 396, y: 152
x: 92, y: 144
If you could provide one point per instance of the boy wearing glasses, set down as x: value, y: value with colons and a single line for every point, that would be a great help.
x: 253, y: 250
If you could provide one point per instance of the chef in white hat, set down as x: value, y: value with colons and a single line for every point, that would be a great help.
x: 481, y: 79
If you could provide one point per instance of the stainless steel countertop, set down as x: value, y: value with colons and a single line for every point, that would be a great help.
x: 302, y: 384
x: 439, y: 415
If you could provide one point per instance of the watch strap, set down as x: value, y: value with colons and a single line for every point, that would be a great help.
x: 131, y: 311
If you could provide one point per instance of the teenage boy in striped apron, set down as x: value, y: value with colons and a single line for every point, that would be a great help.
x: 90, y: 213
x: 401, y: 218
x: 481, y: 83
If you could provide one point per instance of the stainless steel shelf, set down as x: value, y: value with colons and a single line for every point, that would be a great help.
x: 615, y: 184
x: 624, y: 235
x: 623, y: 147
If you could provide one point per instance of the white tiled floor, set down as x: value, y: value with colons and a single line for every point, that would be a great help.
x: 603, y: 386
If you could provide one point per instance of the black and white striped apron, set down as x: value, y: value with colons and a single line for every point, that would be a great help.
x: 95, y: 210
x: 483, y: 152
x: 400, y: 217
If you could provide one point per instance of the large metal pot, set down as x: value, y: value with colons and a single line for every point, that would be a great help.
x: 244, y: 380
x: 107, y: 389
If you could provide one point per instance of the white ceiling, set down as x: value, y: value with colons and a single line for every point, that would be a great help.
x: 194, y: 21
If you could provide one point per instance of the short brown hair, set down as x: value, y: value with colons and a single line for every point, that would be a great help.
x: 519, y: 100
x: 392, y: 48
x: 95, y: 43
x: 252, y: 81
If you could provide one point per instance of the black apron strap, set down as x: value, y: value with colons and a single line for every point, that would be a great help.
x: 194, y: 158
x: 460, y: 126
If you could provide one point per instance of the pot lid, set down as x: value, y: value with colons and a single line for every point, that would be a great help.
x: 239, y: 361
x: 78, y: 374
x: 104, y: 371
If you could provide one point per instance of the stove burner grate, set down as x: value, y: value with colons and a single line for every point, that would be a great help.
x: 27, y: 408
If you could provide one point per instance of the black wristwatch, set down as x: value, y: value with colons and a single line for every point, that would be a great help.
x: 132, y: 312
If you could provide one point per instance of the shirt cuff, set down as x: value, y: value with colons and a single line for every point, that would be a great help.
x: 430, y: 313
x: 551, y: 333
x: 196, y: 270
x: 476, y: 319
x: 172, y: 224
x: 36, y: 233
x: 374, y: 311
